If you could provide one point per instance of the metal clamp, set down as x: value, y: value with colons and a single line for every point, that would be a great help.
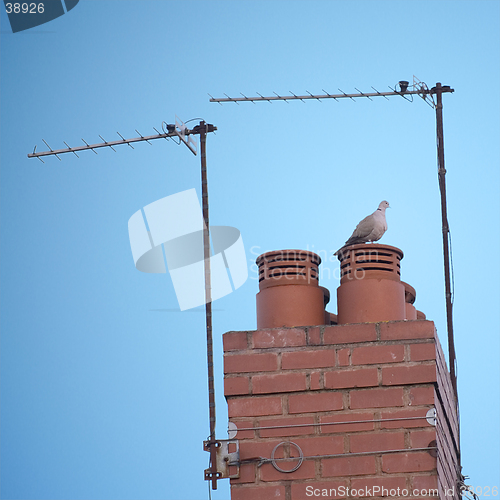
x: 225, y: 459
x: 431, y: 416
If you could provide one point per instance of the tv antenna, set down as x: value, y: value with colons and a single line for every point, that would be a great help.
x: 401, y: 89
x: 406, y: 91
x: 178, y: 130
x: 185, y: 135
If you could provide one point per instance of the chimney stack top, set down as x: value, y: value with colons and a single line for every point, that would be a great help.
x: 365, y: 261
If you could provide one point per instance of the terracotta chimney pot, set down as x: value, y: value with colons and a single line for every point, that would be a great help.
x: 370, y: 286
x: 410, y: 296
x: 290, y: 294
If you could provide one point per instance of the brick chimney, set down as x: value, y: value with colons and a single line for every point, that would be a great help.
x: 362, y: 408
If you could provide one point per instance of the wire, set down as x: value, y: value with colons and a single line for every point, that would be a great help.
x: 451, y: 266
x: 401, y: 93
x: 163, y: 123
x: 209, y: 467
x: 464, y: 488
x: 261, y: 461
x: 443, y: 435
x: 192, y: 119
x: 452, y: 302
x: 300, y: 458
x: 330, y: 423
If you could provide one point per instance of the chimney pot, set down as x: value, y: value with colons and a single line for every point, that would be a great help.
x: 370, y: 285
x: 290, y: 294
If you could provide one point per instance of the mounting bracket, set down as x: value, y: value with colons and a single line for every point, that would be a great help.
x: 225, y: 459
x: 182, y: 133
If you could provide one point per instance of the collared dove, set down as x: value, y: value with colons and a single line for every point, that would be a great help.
x: 371, y: 228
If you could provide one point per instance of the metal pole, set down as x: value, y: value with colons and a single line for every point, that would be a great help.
x: 442, y: 187
x: 208, y: 304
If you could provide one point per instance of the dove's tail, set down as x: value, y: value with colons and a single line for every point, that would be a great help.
x: 351, y: 241
x: 340, y: 250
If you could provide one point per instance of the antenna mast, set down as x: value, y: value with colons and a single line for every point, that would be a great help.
x: 184, y: 134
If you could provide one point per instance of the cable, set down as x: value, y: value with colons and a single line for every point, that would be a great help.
x: 464, y: 488
x: 300, y: 457
x: 163, y: 123
x: 454, y: 450
x: 451, y: 268
x: 452, y: 302
x: 209, y: 467
x: 329, y: 423
x: 401, y: 93
x: 192, y: 119
x: 261, y: 460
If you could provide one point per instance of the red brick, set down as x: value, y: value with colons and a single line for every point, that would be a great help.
x: 255, y: 449
x: 318, y: 489
x: 236, y: 385
x: 377, y: 441
x: 370, y: 355
x: 397, y: 330
x: 253, y: 492
x: 314, y: 402
x: 377, y: 398
x: 281, y: 382
x: 347, y: 427
x: 241, y: 363
x: 421, y: 439
x: 299, y: 430
x: 414, y: 374
x: 348, y: 466
x: 421, y: 395
x: 244, y: 424
x: 315, y: 380
x: 423, y: 352
x: 234, y: 341
x: 286, y: 337
x: 306, y: 471
x: 347, y: 334
x: 404, y: 414
x: 323, y: 445
x: 314, y: 336
x: 408, y: 462
x: 360, y: 377
x: 375, y: 485
x: 427, y: 482
x: 254, y: 406
x: 343, y: 357
x: 324, y: 358
x: 247, y: 474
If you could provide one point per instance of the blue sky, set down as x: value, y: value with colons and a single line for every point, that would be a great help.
x: 103, y: 379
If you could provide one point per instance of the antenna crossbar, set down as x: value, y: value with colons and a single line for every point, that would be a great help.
x: 172, y: 131
x: 104, y: 144
x: 422, y: 92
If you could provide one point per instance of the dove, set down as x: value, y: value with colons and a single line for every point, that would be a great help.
x: 371, y: 228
